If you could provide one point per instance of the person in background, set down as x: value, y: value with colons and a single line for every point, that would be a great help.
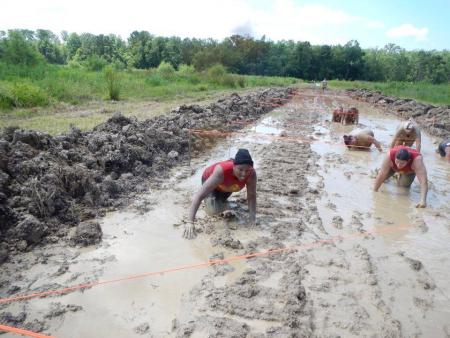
x: 444, y: 149
x: 361, y: 139
x: 324, y: 85
x: 406, y: 134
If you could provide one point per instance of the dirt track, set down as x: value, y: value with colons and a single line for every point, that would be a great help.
x: 359, y: 268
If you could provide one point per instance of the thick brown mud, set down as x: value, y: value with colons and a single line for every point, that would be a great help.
x: 362, y: 263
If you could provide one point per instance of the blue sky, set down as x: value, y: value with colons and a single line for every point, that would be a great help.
x: 409, y: 24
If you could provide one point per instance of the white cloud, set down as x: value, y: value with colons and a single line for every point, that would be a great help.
x: 408, y: 30
x: 281, y: 20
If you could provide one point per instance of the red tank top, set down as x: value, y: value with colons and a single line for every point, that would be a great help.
x: 406, y: 169
x: 230, y: 182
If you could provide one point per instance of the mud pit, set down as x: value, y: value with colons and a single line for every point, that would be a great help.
x: 364, y: 264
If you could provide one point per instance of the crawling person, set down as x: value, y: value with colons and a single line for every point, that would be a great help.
x: 406, y: 134
x: 408, y: 162
x: 338, y: 115
x: 444, y: 149
x: 219, y: 181
x: 361, y: 139
x: 351, y: 116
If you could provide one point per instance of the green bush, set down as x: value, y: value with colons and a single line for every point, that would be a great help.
x: 95, y: 63
x: 185, y: 70
x: 26, y: 94
x: 227, y: 80
x: 155, y: 80
x: 112, y: 83
x: 216, y: 71
x: 166, y: 70
x: 240, y: 81
x: 6, y: 96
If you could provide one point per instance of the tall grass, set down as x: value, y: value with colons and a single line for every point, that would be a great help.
x: 421, y: 91
x: 76, y: 85
x: 112, y: 83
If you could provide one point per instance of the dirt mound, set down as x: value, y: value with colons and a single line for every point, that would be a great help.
x: 436, y: 120
x: 51, y: 184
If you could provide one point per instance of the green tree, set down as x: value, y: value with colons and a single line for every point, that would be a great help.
x: 16, y: 48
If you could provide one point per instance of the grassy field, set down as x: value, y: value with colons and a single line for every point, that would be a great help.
x: 50, y: 98
x: 423, y: 92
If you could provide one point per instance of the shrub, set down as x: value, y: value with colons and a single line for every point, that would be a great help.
x: 240, y: 81
x: 185, y: 70
x: 95, y: 63
x: 227, y: 80
x: 154, y: 80
x: 216, y: 71
x: 6, y: 96
x: 26, y: 94
x: 166, y: 70
x: 112, y: 83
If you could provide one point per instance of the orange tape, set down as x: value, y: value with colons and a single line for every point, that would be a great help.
x: 23, y: 332
x: 193, y: 266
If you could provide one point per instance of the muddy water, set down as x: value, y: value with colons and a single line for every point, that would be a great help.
x: 385, y: 277
x: 136, y: 243
x: 400, y: 231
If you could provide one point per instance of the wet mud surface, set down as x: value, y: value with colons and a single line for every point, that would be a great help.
x: 346, y: 262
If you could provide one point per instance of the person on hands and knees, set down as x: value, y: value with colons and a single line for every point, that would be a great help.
x: 406, y: 134
x: 407, y: 162
x: 444, y: 149
x: 361, y: 139
x: 219, y: 181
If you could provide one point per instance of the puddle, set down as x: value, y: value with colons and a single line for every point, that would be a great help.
x: 136, y: 244
x: 390, y: 214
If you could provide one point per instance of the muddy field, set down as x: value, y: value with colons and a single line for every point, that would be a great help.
x: 345, y: 262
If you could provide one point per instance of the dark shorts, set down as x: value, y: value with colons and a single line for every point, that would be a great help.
x: 215, y: 201
x: 403, y: 180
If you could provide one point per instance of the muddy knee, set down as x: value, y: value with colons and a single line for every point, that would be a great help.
x: 405, y: 180
x: 214, y: 206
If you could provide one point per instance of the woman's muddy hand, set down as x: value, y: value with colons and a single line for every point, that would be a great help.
x: 189, y: 230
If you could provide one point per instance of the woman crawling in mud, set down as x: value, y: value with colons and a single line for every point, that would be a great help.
x: 219, y: 181
x: 444, y: 149
x: 408, y: 162
x: 406, y: 134
x: 361, y: 139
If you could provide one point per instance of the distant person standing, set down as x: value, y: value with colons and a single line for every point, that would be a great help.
x: 444, y: 149
x: 324, y: 85
x: 408, y: 162
x: 406, y: 134
x: 361, y: 139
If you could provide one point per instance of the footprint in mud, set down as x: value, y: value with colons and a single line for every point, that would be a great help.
x: 420, y: 223
x: 423, y: 278
x: 220, y: 268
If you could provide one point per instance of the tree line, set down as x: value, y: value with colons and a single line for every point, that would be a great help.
x: 239, y: 54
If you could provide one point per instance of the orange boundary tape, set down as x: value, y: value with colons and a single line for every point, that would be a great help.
x: 197, y: 265
x: 23, y: 332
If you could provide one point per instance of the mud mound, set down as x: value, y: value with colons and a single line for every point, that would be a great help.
x: 436, y: 120
x: 50, y: 184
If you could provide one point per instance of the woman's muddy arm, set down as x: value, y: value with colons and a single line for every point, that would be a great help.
x: 251, y: 198
x: 382, y: 175
x: 421, y: 173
